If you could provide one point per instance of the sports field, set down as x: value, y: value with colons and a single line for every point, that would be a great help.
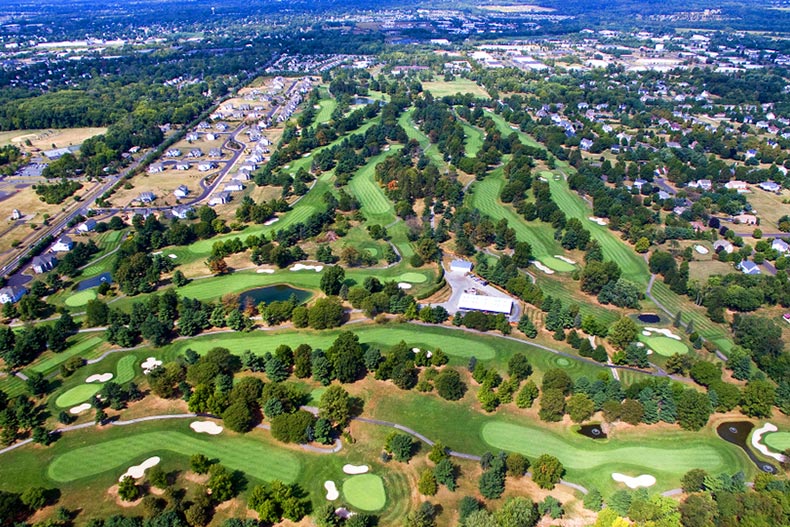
x: 365, y: 492
x: 779, y: 441
x: 474, y: 139
x: 247, y: 454
x: 664, y: 345
x: 430, y: 150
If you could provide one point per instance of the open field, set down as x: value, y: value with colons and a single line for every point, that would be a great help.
x: 162, y: 184
x: 769, y: 206
x: 526, y: 8
x: 49, y: 138
x: 125, y: 369
x: 365, y: 492
x: 440, y: 88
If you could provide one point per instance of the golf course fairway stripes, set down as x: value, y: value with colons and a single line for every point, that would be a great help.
x: 248, y: 455
x: 365, y: 492
x: 125, y: 369
x: 648, y: 455
x: 78, y: 394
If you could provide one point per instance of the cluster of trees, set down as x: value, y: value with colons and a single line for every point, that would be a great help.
x: 57, y: 192
x: 18, y: 348
x: 21, y: 417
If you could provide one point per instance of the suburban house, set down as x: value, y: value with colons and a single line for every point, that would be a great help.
x: 181, y: 192
x: 182, y: 212
x: 64, y: 244
x: 723, y: 245
x: 173, y: 152
x: 639, y: 182
x: 702, y: 184
x: 87, y: 226
x: 11, y: 294
x: 242, y: 176
x: 585, y: 144
x: 215, y: 152
x: 206, y: 165
x: 234, y: 187
x: 780, y: 245
x: 192, y: 136
x: 740, y: 186
x: 183, y: 165
x: 153, y: 168
x: 748, y: 267
x: 210, y: 136
x: 770, y: 186
x: 461, y: 266
x: 219, y: 198
x: 16, y: 215
x: 745, y: 219
x: 195, y: 152
x: 44, y: 263
x: 146, y: 197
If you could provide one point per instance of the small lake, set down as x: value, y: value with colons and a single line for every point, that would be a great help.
x: 94, y: 281
x: 649, y: 318
x: 273, y: 293
x: 592, y: 431
x: 737, y: 433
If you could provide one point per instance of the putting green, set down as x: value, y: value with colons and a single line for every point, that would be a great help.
x: 557, y: 264
x: 365, y: 492
x: 81, y: 298
x: 315, y: 395
x: 779, y: 441
x: 562, y: 361
x: 125, y: 369
x: 656, y: 455
x: 664, y: 345
x: 414, y: 278
x: 258, y: 459
x: 78, y: 394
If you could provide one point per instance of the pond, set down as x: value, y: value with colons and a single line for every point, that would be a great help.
x: 273, y: 293
x: 649, y: 318
x: 737, y: 433
x: 94, y: 281
x: 592, y: 431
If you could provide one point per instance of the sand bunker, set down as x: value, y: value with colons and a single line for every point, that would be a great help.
x: 646, y: 333
x: 303, y: 267
x: 331, y: 490
x: 344, y: 513
x: 172, y: 256
x: 206, y: 427
x: 404, y: 285
x: 99, y: 377
x: 149, y: 364
x: 415, y: 351
x: 80, y: 408
x: 599, y: 221
x: 664, y: 332
x: 355, y: 469
x: 542, y: 267
x: 700, y: 249
x: 266, y: 271
x: 645, y: 480
x: 764, y: 450
x: 564, y: 259
x: 271, y: 221
x: 137, y: 471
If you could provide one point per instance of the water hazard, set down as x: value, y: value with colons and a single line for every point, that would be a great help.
x: 737, y: 433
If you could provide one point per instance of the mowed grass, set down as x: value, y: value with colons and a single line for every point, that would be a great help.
x: 84, y: 343
x: 664, y: 345
x: 365, y: 492
x: 440, y: 88
x: 412, y: 277
x: 77, y: 395
x: 779, y: 441
x: 667, y: 455
x: 558, y: 265
x: 81, y: 298
x: 125, y: 369
x: 430, y: 150
x: 474, y: 139
x: 376, y: 206
x: 258, y: 459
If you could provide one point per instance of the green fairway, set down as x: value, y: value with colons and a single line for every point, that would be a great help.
x: 249, y: 455
x: 81, y: 298
x: 414, y: 278
x: 664, y: 345
x: 365, y: 492
x: 376, y: 206
x: 84, y: 343
x: 78, y: 394
x: 593, y: 461
x: 125, y: 369
x: 440, y: 88
x: 778, y: 441
x: 558, y: 265
x: 474, y: 139
x: 429, y: 149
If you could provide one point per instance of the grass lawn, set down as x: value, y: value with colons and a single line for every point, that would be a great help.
x: 81, y: 298
x: 557, y: 264
x: 82, y: 344
x: 430, y: 150
x: 365, y: 492
x: 325, y: 112
x: 440, y: 88
x: 125, y: 369
x: 376, y: 206
x: 412, y: 277
x: 664, y: 345
x: 77, y: 395
x: 779, y: 441
x: 259, y: 460
x: 474, y: 139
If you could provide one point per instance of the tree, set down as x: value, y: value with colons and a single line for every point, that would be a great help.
x: 558, y: 379
x: 426, y: 485
x: 705, y: 373
x: 552, y: 405
x: 347, y: 357
x: 446, y: 473
x: 293, y: 428
x: 518, y: 367
x: 401, y: 446
x: 239, y: 417
x: 517, y: 465
x: 128, y: 490
x: 758, y: 399
x: 34, y: 497
x: 157, y: 477
x: 217, y: 265
x: 698, y: 510
x: 547, y: 471
x: 424, y: 516
x: 526, y: 397
x: 179, y: 280
x: 593, y: 500
x: 449, y: 385
x: 517, y: 511
x: 693, y: 410
x: 631, y: 411
x: 221, y: 483
x: 332, y: 280
x: 199, y: 464
x: 492, y: 483
x: 623, y: 332
x: 526, y: 326
x: 326, y: 313
x: 694, y: 480
x: 580, y: 407
x: 335, y: 406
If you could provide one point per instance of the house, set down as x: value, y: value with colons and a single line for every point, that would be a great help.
x: 11, y: 294
x: 64, y: 244
x: 146, y: 197
x: 183, y: 165
x: 663, y: 194
x: 153, y: 168
x: 215, y: 152
x: 461, y: 266
x: 242, y: 176
x: 173, y: 152
x: 585, y: 144
x: 639, y: 182
x: 673, y: 144
x: 44, y: 263
x: 748, y: 267
x: 16, y: 215
x: 234, y: 187
x: 745, y: 219
x: 195, y: 152
x: 770, y: 186
x: 87, y: 226
x: 206, y: 165
x: 780, y: 245
x: 697, y: 225
x: 723, y: 245
x: 192, y: 136
x: 182, y: 213
x: 702, y: 184
x: 210, y: 136
x: 740, y: 186
x: 219, y: 198
x: 181, y: 192
x: 486, y: 304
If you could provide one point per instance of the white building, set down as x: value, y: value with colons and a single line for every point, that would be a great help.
x: 219, y: 198
x: 64, y: 244
x: 11, y: 294
x: 487, y: 304
x: 181, y: 192
x: 461, y: 266
x: 234, y: 187
x: 87, y: 226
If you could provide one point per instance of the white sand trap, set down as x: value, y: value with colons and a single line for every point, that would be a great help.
x: 404, y: 285
x: 356, y: 469
x: 764, y: 450
x: 542, y: 267
x: 206, y: 427
x: 156, y: 253
x: 331, y: 491
x: 646, y: 333
x: 645, y: 480
x: 344, y: 513
x: 599, y: 221
x: 303, y: 267
x: 664, y: 332
x: 80, y: 408
x: 564, y: 259
x: 265, y: 271
x: 271, y: 221
x: 415, y: 351
x: 316, y: 106
x: 700, y: 249
x: 172, y: 256
x: 99, y: 377
x: 137, y: 471
x: 149, y: 364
